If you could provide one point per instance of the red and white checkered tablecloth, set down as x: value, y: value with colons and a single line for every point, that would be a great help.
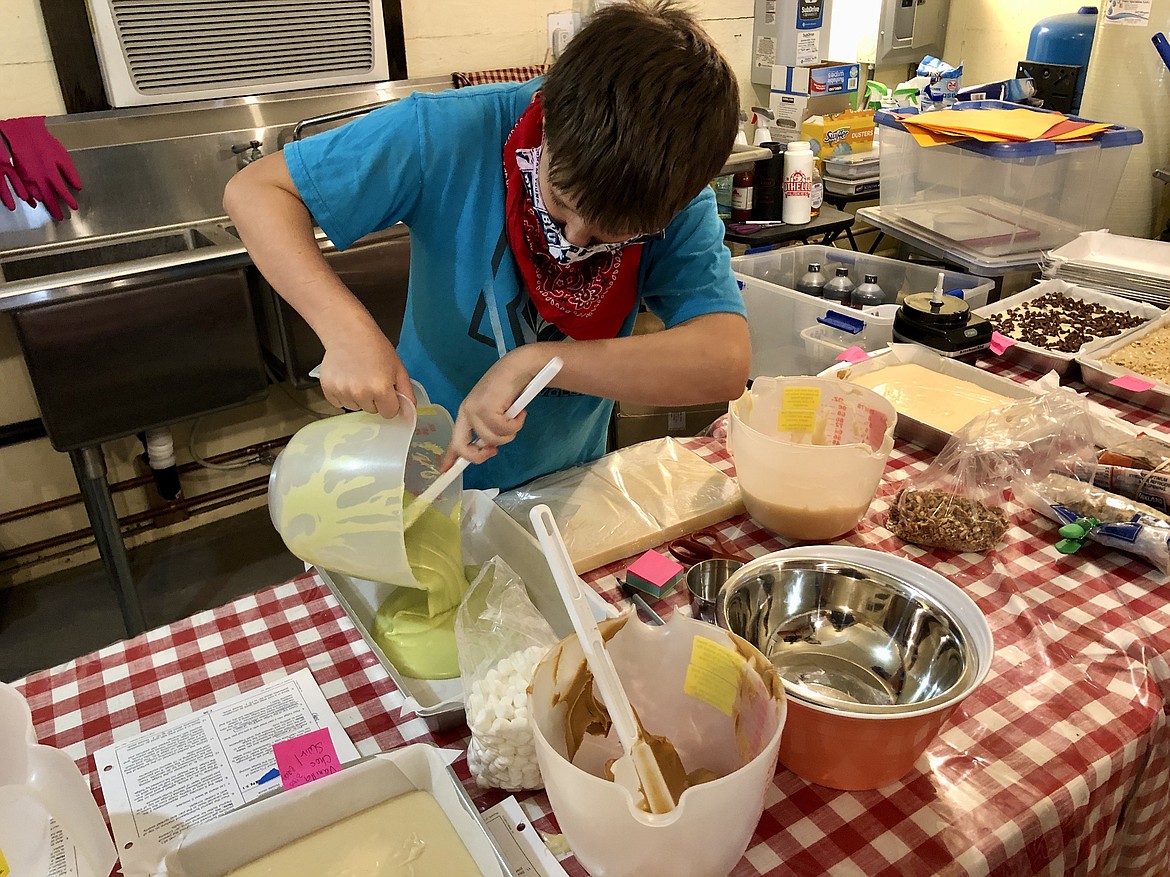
x: 1058, y: 764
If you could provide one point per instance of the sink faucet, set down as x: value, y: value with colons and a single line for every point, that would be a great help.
x: 248, y: 152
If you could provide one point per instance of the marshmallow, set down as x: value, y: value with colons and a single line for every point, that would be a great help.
x: 502, y: 753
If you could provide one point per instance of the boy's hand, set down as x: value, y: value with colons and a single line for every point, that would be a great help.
x: 364, y: 373
x: 482, y: 414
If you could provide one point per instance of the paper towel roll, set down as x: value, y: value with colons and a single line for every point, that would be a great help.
x: 1128, y: 84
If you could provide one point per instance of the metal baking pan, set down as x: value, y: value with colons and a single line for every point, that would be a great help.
x: 275, y: 820
x: 1098, y: 374
x: 487, y: 532
x: 912, y: 430
x: 1043, y: 360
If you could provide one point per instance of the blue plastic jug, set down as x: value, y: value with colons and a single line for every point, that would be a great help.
x: 1065, y: 39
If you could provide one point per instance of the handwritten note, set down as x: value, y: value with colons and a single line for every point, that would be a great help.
x: 306, y: 758
x: 1000, y: 343
x: 1132, y: 382
x: 853, y: 354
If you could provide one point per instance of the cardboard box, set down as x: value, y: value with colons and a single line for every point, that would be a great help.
x: 786, y: 32
x: 854, y: 129
x: 638, y: 423
x: 816, y: 80
x: 632, y: 424
x: 800, y: 92
x: 790, y: 111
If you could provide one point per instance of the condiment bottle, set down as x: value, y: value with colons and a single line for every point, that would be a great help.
x: 868, y: 294
x: 840, y: 287
x: 741, y: 195
x: 817, y: 192
x: 798, y: 167
x: 813, y: 282
x: 768, y: 181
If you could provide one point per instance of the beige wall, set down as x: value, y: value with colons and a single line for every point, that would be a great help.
x: 989, y: 36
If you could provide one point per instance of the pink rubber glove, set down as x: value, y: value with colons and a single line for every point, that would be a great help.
x: 42, y: 162
x: 8, y: 175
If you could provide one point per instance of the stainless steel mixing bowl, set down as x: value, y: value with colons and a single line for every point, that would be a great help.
x: 846, y: 636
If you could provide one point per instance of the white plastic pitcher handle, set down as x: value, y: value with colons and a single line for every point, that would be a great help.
x: 573, y: 596
x: 428, y: 496
x: 62, y: 791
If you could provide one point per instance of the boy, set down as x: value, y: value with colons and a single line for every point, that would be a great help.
x: 539, y: 213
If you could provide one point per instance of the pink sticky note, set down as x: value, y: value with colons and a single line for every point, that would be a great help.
x: 1000, y: 343
x: 655, y: 569
x: 853, y: 354
x: 1132, y: 382
x: 306, y: 758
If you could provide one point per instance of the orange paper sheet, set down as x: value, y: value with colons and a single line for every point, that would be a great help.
x: 1018, y: 124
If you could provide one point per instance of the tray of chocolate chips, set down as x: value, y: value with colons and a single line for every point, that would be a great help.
x: 1055, y: 322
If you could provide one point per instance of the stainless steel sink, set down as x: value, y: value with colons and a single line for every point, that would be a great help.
x: 101, y: 254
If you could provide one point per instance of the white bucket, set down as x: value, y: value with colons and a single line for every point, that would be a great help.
x: 678, y: 691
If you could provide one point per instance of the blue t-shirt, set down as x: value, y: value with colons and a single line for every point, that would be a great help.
x: 433, y: 161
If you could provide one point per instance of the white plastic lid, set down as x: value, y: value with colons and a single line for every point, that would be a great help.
x: 799, y: 146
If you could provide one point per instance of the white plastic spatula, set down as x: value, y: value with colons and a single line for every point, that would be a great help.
x: 637, y: 770
x: 414, y: 511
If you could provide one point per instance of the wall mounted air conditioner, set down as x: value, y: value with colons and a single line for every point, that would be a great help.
x: 165, y: 51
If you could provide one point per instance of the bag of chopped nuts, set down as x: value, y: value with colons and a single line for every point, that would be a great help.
x: 960, y: 502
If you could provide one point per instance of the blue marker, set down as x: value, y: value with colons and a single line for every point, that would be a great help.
x: 273, y: 774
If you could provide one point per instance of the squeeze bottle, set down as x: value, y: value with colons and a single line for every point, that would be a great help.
x: 798, y: 165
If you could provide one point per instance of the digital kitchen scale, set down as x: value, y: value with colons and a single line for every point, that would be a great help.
x: 942, y: 322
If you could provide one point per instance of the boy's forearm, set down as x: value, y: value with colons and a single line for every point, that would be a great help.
x: 704, y: 360
x: 277, y: 229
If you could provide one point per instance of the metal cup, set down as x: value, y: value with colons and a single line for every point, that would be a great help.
x: 704, y: 580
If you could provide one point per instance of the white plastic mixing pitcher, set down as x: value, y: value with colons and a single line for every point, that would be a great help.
x: 37, y: 782
x: 809, y: 453
x: 687, y: 681
x: 336, y: 491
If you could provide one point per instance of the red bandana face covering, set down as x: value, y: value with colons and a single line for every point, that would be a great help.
x: 587, y: 299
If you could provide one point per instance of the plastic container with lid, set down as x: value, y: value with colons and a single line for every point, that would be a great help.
x: 854, y: 165
x: 777, y: 312
x: 996, y: 199
x: 852, y: 188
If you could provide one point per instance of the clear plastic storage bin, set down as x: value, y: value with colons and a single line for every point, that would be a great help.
x: 778, y: 314
x: 995, y: 199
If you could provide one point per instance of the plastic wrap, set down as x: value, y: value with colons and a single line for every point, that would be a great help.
x: 959, y: 502
x: 1138, y: 468
x: 1100, y: 516
x: 500, y: 637
x: 628, y: 501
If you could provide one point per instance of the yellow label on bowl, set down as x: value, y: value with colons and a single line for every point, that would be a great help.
x: 713, y: 674
x: 4, y: 869
x: 798, y: 409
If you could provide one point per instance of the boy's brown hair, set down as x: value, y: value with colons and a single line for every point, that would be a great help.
x: 640, y: 113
